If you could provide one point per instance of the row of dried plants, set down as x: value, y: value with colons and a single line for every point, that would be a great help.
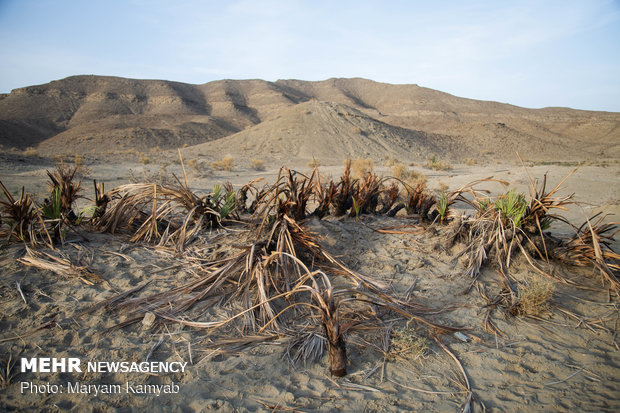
x: 280, y: 281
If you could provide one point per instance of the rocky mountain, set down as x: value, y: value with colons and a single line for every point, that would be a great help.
x: 335, y: 117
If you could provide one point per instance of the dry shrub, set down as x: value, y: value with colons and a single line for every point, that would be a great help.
x: 258, y: 164
x: 314, y: 163
x: 78, y: 160
x: 409, y: 176
x: 144, y: 159
x: 405, y: 342
x: 442, y: 186
x: 225, y: 164
x: 437, y: 164
x: 399, y: 171
x: 200, y: 168
x: 30, y: 151
x: 390, y: 162
x: 533, y: 297
x: 362, y: 166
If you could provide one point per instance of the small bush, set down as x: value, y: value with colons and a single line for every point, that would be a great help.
x: 406, y: 342
x: 257, y: 165
x: 389, y: 162
x: 30, y: 151
x: 226, y: 164
x: 533, y: 297
x: 400, y: 171
x: 78, y: 160
x: 192, y: 163
x: 442, y: 186
x: 362, y: 166
x: 435, y: 163
x: 409, y: 176
x: 314, y: 163
x: 144, y: 159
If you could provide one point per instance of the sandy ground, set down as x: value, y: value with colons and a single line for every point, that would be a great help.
x: 568, y: 359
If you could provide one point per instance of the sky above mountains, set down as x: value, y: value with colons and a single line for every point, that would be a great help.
x: 528, y: 53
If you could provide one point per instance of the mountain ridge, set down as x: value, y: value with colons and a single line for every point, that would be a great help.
x: 107, y: 114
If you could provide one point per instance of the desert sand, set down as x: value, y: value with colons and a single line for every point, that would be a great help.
x: 555, y: 362
x: 565, y: 357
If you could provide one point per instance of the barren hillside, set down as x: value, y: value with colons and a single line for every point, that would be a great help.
x: 84, y: 114
x: 311, y: 129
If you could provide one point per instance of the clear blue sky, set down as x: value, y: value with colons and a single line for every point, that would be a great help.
x: 532, y: 53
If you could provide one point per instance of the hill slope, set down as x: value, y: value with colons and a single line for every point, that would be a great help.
x: 326, y: 130
x: 107, y: 114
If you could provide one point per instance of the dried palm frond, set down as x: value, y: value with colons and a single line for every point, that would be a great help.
x: 591, y: 246
x: 22, y: 218
x: 310, y: 346
x: 242, y: 196
x: 159, y: 213
x: 59, y: 265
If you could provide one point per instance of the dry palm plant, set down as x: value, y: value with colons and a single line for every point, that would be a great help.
x: 242, y: 197
x: 388, y: 200
x: 366, y: 194
x: 343, y: 192
x: 505, y: 223
x: 330, y: 317
x: 101, y: 199
x: 290, y: 195
x: 21, y: 220
x: 591, y: 246
x: 64, y: 181
x: 164, y: 214
x: 419, y: 201
x: 167, y: 214
x: 57, y: 210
